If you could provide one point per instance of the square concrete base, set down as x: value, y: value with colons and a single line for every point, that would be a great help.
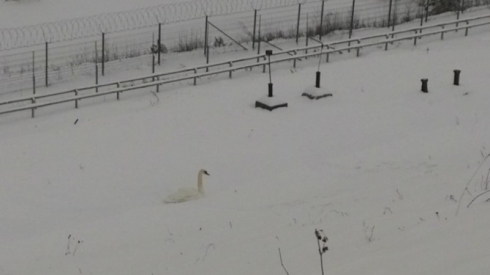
x: 316, y: 93
x: 270, y: 103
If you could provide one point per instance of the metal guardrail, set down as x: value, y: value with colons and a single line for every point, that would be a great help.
x: 156, y: 82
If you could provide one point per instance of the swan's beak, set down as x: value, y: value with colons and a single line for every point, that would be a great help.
x: 206, y: 172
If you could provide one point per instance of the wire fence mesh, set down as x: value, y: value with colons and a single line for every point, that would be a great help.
x: 51, y: 53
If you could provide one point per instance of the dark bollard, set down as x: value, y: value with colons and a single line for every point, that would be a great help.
x: 317, y: 82
x: 270, y: 89
x: 424, y: 85
x: 456, y: 77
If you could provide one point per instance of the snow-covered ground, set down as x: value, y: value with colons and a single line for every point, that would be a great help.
x: 380, y: 167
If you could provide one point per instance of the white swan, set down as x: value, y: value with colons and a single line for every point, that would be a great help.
x: 188, y: 193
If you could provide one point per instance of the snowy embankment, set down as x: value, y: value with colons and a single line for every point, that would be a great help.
x: 379, y: 166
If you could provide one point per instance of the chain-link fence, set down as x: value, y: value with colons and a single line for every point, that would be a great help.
x: 56, y: 52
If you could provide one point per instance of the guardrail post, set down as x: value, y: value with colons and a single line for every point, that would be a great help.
x: 46, y: 66
x: 195, y: 78
x: 415, y: 39
x: 442, y: 33
x: 33, y: 73
x: 255, y: 25
x: 297, y: 25
x: 96, y: 68
x: 103, y: 54
x: 33, y: 100
x: 260, y: 38
x: 153, y: 64
x: 117, y: 93
x: 159, y: 47
x: 389, y: 12
x: 158, y: 85
x: 358, y: 48
x: 466, y: 32
x: 294, y: 61
x: 321, y: 20
x: 231, y: 65
x: 352, y: 19
x: 206, y: 35
x: 386, y: 44
x: 307, y: 35
x: 76, y: 100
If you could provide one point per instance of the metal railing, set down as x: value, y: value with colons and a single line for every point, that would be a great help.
x: 290, y: 55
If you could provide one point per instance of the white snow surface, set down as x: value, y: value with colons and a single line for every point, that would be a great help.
x: 380, y: 167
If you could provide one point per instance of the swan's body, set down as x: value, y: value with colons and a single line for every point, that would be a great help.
x: 188, y: 193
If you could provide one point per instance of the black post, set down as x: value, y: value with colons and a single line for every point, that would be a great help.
x: 307, y: 37
x: 153, y: 63
x: 255, y: 25
x: 456, y: 77
x: 389, y: 13
x: 206, y: 36
x: 318, y: 75
x: 33, y: 73
x: 321, y: 20
x: 457, y: 14
x: 393, y: 24
x: 258, y: 45
x: 96, y: 68
x: 46, y: 65
x: 269, y: 53
x: 352, y: 18
x: 424, y: 85
x: 159, y: 42
x: 103, y: 54
x: 297, y: 26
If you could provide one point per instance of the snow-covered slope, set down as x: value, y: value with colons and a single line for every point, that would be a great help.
x: 380, y: 167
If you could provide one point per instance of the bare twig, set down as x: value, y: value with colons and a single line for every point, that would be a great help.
x: 471, y: 179
x: 280, y: 258
x: 474, y: 199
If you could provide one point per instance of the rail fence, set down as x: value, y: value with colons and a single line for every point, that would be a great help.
x: 42, y: 55
x: 35, y: 102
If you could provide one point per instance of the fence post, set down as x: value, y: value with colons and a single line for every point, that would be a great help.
x: 352, y: 21
x: 153, y: 65
x: 207, y: 56
x: 103, y: 54
x: 206, y: 36
x: 159, y: 42
x: 76, y: 100
x: 307, y: 36
x: 297, y: 26
x: 389, y: 13
x: 393, y: 25
x: 33, y: 73
x: 46, y: 66
x: 321, y: 19
x: 96, y: 68
x: 457, y: 14
x: 255, y: 25
x: 258, y: 44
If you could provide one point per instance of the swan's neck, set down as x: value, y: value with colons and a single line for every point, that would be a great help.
x: 199, y: 183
